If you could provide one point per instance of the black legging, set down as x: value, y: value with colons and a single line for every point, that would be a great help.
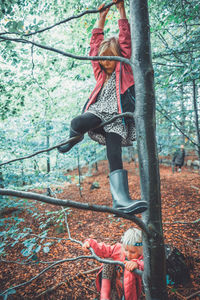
x: 87, y: 121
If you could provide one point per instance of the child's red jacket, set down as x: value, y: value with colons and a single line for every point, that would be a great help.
x: 132, y: 283
x: 124, y: 75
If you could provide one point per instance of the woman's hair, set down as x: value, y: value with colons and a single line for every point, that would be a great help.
x: 132, y: 237
x: 111, y: 44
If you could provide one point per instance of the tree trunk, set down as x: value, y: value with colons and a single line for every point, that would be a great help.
x: 79, y: 172
x: 1, y: 181
x: 154, y: 273
x: 48, y: 154
x: 182, y: 114
x: 196, y: 119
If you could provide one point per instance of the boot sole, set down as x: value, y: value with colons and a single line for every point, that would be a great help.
x: 134, y: 209
x: 66, y: 148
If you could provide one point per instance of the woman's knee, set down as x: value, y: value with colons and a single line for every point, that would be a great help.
x: 76, y: 123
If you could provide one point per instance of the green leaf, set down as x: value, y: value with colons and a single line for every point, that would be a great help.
x: 46, y: 249
x: 26, y: 252
x: 37, y: 249
x: 20, y: 25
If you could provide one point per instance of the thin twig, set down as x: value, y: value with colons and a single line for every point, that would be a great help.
x: 64, y: 282
x: 88, y: 11
x: 193, y: 295
x: 183, y: 222
x: 175, y: 292
x: 195, y: 187
x: 55, y: 264
x: 170, y: 119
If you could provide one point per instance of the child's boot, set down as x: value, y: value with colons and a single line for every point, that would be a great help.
x: 65, y: 148
x: 120, y: 194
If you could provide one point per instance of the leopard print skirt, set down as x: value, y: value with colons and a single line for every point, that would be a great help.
x: 109, y: 272
x: 105, y: 108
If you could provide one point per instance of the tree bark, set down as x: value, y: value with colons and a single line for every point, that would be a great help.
x: 48, y: 164
x: 1, y: 182
x: 154, y: 273
x: 182, y: 114
x: 196, y: 118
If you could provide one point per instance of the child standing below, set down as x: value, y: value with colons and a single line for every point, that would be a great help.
x: 112, y: 95
x: 113, y: 282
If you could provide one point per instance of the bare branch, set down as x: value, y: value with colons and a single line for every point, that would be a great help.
x: 183, y: 222
x: 193, y: 295
x: 88, y: 11
x: 167, y: 65
x: 78, y: 205
x: 56, y: 263
x: 169, y: 118
x: 123, y: 115
x: 24, y: 41
x: 94, y: 256
x: 66, y: 281
x: 61, y: 262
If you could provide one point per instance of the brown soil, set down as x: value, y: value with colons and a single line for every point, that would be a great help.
x: 69, y: 280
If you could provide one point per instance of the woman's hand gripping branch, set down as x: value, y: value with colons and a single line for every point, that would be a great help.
x: 102, y: 16
x: 121, y: 8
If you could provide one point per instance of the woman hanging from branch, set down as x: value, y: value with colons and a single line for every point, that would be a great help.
x: 112, y: 95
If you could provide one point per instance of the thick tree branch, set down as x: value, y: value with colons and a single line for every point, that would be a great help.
x: 78, y: 205
x: 24, y: 41
x: 123, y: 115
x: 54, y: 264
x: 66, y: 260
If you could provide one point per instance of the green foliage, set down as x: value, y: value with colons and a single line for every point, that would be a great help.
x: 10, y: 232
x: 175, y: 49
x: 42, y: 91
x: 15, y: 232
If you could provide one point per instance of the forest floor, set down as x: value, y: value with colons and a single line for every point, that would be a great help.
x: 76, y: 279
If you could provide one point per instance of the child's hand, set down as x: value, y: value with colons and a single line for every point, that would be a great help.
x: 86, y: 246
x: 131, y: 265
x: 121, y: 9
x: 120, y: 4
x: 103, y: 13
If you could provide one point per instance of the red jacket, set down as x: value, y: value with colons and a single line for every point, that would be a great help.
x: 124, y: 75
x: 132, y: 283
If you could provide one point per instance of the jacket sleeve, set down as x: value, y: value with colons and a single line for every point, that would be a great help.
x: 174, y: 157
x: 124, y: 38
x: 96, y: 39
x: 140, y: 264
x: 101, y: 249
